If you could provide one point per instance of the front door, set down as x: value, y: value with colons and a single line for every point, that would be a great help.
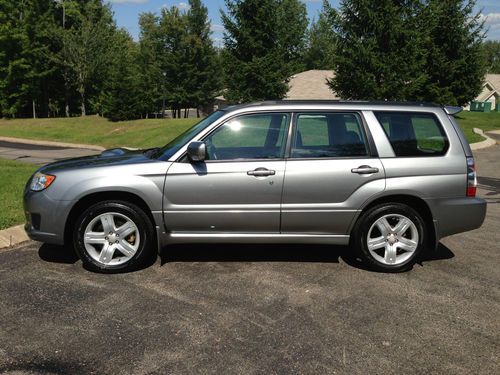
x: 331, y: 172
x: 238, y: 188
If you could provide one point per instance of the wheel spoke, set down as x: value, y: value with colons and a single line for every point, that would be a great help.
x: 390, y: 254
x: 108, y: 223
x: 107, y: 253
x: 402, y: 226
x: 384, y: 226
x: 126, y: 229
x: 376, y: 243
x: 94, y: 238
x: 406, y: 244
x: 125, y: 248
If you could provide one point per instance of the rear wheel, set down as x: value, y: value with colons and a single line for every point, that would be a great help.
x: 390, y: 237
x: 113, y: 236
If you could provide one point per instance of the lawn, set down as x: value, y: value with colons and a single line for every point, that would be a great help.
x: 13, y: 175
x: 157, y: 132
x: 97, y: 130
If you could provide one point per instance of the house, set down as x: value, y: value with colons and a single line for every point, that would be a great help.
x: 311, y: 84
x: 491, y: 90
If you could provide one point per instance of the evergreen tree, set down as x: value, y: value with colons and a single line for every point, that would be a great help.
x: 121, y: 89
x: 264, y: 41
x: 380, y: 53
x: 203, y: 78
x: 320, y: 48
x: 455, y: 66
x: 87, y: 49
x: 491, y: 52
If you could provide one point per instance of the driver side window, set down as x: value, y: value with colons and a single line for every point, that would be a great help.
x: 258, y: 136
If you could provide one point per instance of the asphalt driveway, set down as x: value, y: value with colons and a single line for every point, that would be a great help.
x: 258, y: 309
x: 39, y: 154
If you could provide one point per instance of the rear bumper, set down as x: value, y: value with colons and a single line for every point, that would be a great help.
x: 457, y: 215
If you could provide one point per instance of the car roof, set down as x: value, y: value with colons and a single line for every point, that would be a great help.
x: 322, y: 104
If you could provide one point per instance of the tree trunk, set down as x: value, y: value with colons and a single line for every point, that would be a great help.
x: 34, y: 109
x: 82, y: 94
x: 198, y: 112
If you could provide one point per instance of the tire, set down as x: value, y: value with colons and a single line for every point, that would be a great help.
x: 114, y: 236
x: 382, y: 240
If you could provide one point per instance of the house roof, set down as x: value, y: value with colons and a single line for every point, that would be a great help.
x: 311, y: 84
x: 491, y: 87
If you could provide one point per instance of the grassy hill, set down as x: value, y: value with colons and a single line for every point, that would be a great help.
x: 156, y: 132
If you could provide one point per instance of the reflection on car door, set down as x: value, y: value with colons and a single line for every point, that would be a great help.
x: 330, y: 173
x: 238, y: 188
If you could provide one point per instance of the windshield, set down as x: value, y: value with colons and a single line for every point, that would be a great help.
x: 175, y: 145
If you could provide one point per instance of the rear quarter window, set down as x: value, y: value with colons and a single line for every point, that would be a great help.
x: 414, y: 133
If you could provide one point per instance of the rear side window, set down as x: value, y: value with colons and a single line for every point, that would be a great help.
x: 414, y: 133
x: 328, y: 135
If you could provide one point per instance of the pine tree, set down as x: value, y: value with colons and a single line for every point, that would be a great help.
x: 320, y: 48
x: 380, y: 54
x: 121, y: 88
x: 203, y: 78
x: 491, y: 52
x: 455, y: 63
x: 264, y: 41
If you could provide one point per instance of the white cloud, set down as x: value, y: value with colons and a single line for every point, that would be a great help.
x: 128, y: 1
x: 492, y: 18
x: 183, y: 6
x: 217, y: 28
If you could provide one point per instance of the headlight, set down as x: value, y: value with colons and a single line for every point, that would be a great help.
x: 41, y: 181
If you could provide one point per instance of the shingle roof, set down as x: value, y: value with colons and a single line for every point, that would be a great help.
x: 311, y: 84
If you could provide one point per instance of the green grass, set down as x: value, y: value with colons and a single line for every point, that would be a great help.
x: 96, y: 130
x: 484, y: 121
x: 157, y: 132
x: 14, y: 176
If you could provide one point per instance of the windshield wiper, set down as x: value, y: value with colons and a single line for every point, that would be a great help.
x: 151, y: 151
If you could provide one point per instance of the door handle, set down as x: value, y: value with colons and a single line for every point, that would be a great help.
x: 364, y: 169
x: 261, y: 172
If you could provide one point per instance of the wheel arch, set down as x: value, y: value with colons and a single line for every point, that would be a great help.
x: 413, y: 201
x: 92, y: 198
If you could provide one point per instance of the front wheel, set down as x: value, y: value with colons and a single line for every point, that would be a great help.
x: 390, y: 237
x: 113, y: 236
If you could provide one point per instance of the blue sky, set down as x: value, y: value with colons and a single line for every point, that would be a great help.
x: 127, y: 13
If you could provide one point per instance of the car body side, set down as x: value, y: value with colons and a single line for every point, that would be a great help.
x: 434, y: 185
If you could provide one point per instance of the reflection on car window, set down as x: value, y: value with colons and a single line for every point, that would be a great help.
x: 259, y: 136
x: 175, y: 145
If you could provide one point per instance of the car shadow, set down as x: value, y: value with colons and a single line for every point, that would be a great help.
x: 245, y: 253
x: 57, y: 254
x: 251, y: 253
x: 279, y: 253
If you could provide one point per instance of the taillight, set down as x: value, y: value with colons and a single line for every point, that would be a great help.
x: 471, y: 177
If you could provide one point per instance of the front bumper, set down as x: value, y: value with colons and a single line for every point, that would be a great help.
x: 45, y: 217
x: 457, y: 215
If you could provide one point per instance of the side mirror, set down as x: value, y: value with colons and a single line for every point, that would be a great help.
x: 197, y: 151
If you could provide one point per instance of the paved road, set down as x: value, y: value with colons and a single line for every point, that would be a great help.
x: 244, y: 310
x: 38, y: 154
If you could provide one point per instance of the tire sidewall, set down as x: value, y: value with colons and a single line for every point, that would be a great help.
x: 134, y: 213
x: 373, y: 215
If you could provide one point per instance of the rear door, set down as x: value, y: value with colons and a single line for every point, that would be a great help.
x: 331, y: 170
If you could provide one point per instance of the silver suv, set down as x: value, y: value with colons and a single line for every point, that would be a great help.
x: 389, y: 179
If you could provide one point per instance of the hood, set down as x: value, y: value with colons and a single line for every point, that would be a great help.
x: 115, y: 156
